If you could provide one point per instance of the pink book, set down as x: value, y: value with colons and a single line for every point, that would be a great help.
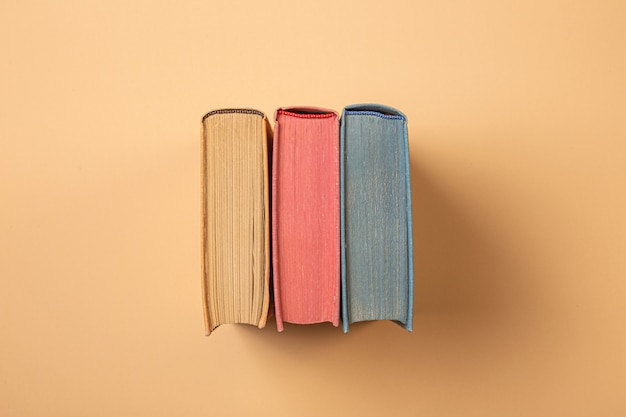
x: 305, y: 216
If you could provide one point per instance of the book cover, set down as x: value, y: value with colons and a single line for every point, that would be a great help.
x: 235, y: 217
x: 376, y: 235
x: 305, y: 216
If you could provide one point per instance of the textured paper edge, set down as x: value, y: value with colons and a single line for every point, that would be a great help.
x: 344, y: 288
x: 276, y: 278
x: 266, y: 138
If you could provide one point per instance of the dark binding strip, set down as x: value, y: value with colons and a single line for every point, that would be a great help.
x: 227, y: 111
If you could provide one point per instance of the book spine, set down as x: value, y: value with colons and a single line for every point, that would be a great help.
x: 345, y: 321
x: 377, y: 247
x: 205, y: 295
x: 267, y: 140
x: 239, y: 129
x: 305, y: 216
x: 275, y: 248
x: 409, y: 215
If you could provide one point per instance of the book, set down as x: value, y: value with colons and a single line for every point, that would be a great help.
x: 305, y: 216
x: 235, y: 217
x: 376, y: 232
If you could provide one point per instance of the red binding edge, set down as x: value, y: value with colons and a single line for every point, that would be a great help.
x: 306, y: 115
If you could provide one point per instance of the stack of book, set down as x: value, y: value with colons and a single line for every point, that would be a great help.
x: 340, y: 216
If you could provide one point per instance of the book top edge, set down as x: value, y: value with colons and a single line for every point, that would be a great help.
x: 373, y: 113
x: 370, y: 109
x: 306, y: 115
x: 306, y: 112
x: 233, y: 111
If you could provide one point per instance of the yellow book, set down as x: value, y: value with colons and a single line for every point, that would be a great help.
x: 235, y: 217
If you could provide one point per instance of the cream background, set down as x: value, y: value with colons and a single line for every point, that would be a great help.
x: 517, y: 136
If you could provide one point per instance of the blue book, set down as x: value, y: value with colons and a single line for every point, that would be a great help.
x: 376, y: 232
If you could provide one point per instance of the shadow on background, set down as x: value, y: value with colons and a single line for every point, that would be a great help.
x: 467, y: 286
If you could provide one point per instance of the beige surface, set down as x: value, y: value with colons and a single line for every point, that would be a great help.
x: 517, y: 133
